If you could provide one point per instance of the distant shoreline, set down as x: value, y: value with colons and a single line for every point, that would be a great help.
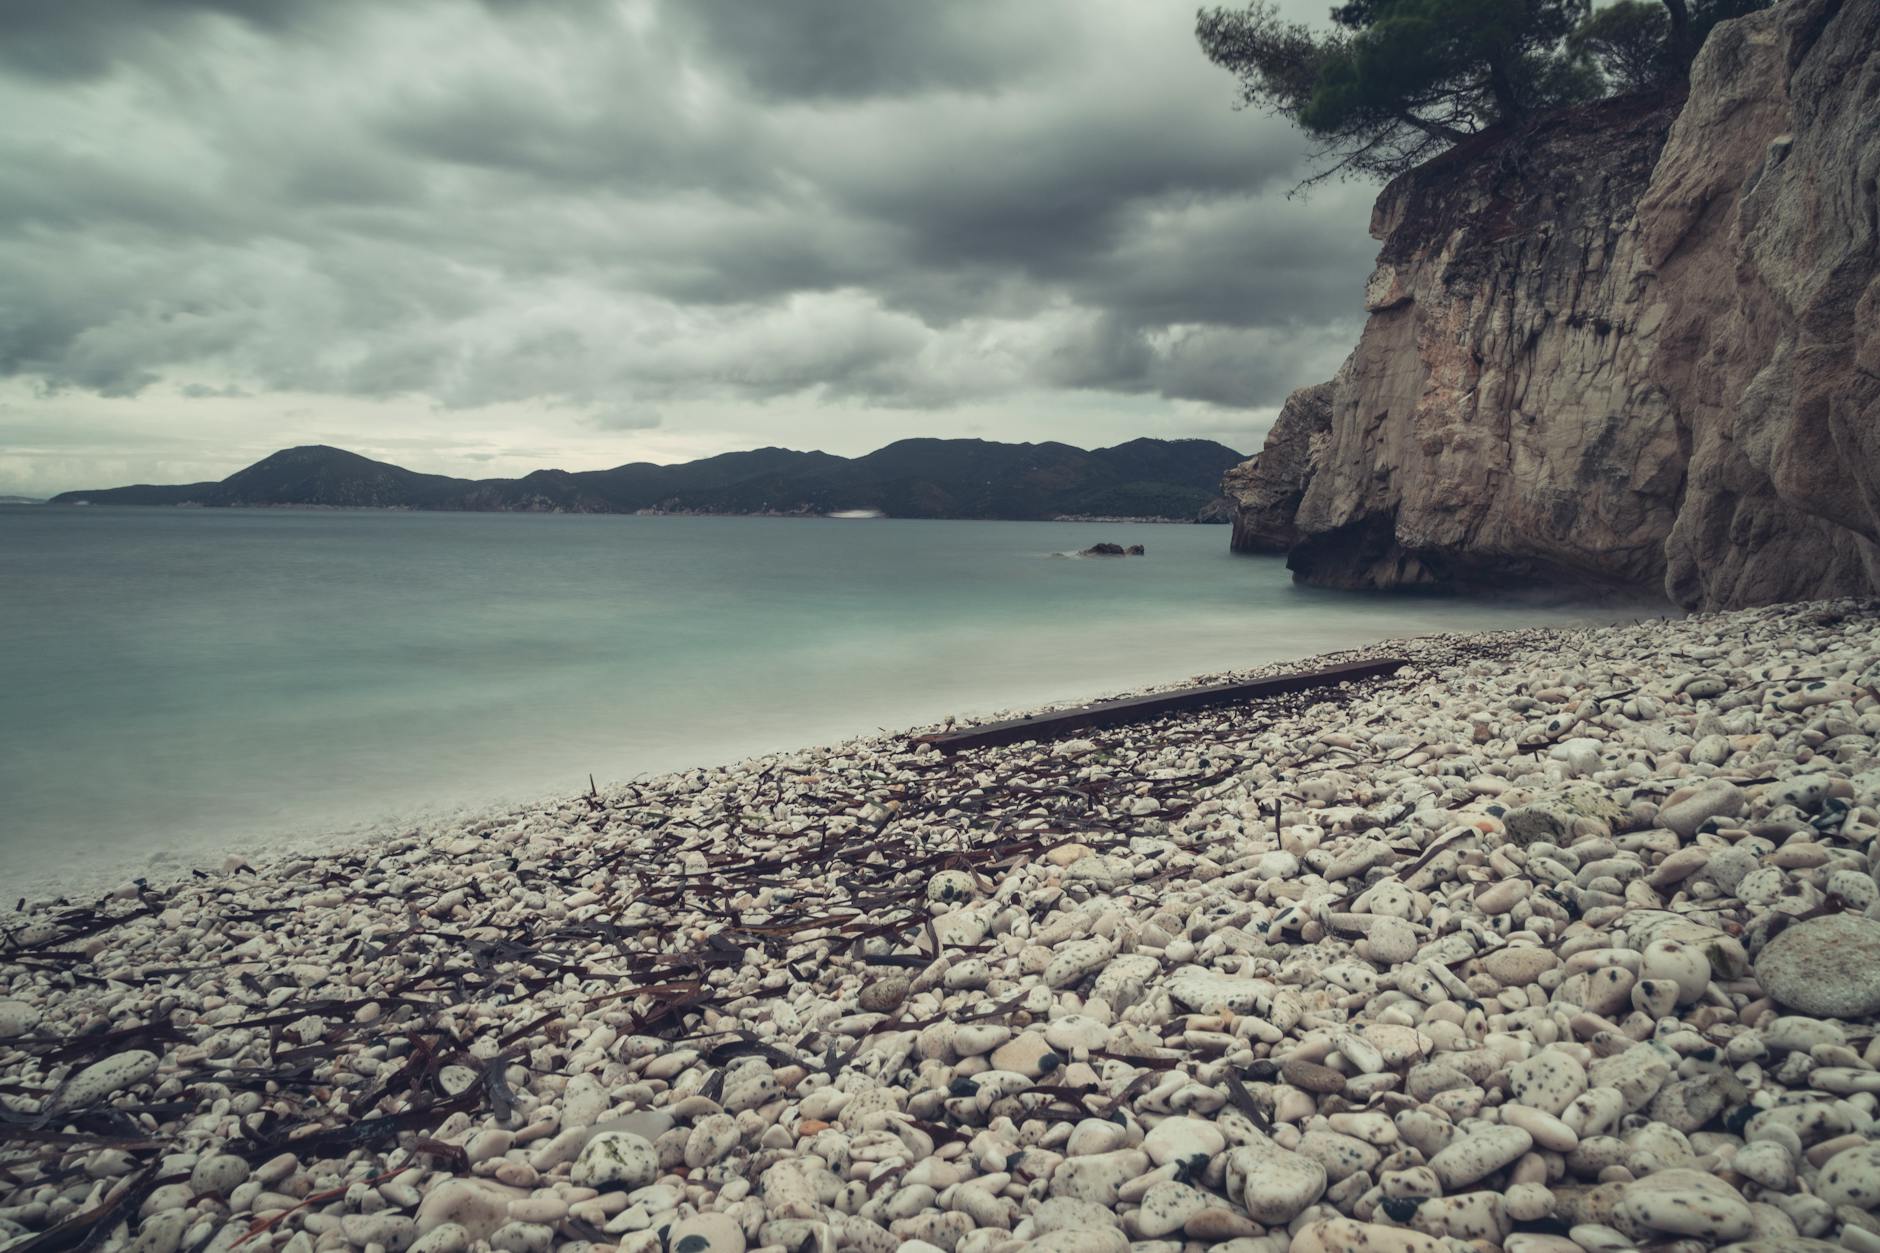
x: 1174, y: 480
x: 196, y: 506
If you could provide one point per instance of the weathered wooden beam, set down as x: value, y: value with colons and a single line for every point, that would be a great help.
x: 1111, y: 713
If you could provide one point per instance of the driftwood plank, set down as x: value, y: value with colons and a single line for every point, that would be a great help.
x: 1139, y: 708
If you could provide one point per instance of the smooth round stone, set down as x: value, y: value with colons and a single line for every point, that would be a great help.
x: 1275, y: 1184
x: 884, y: 995
x: 1767, y: 1163
x: 1852, y: 1177
x: 1069, y: 854
x: 1727, y: 867
x: 1094, y: 1135
x: 1395, y: 1043
x: 949, y: 886
x: 1798, y: 1034
x: 218, y: 1173
x: 1347, y: 1235
x: 1070, y: 963
x: 1678, y: 867
x: 1558, y: 819
x: 1548, y: 1131
x: 102, y: 1080
x: 1528, y: 1202
x: 1688, y: 809
x: 162, y: 1233
x: 1168, y: 1206
x: 443, y: 1238
x: 1098, y: 1176
x: 706, y: 1233
x: 1028, y: 1054
x: 583, y: 1101
x: 1805, y: 792
x: 711, y: 1140
x: 1312, y: 1077
x: 1637, y: 1074
x: 1655, y: 998
x: 1686, y: 1203
x: 1826, y: 966
x: 1519, y: 965
x: 1210, y: 992
x: 17, y: 1018
x: 474, y: 1207
x: 1476, y: 1156
x: 1069, y: 1213
x: 394, y: 1232
x: 1182, y: 1140
x: 1689, y: 1104
x: 1683, y: 964
x: 1077, y: 1031
x: 488, y: 1143
x: 1548, y: 1081
x: 1217, y: 1224
x: 1503, y: 896
x: 521, y: 1237
x: 648, y: 1124
x: 749, y: 1086
x: 1390, y: 941
x: 615, y: 1160
x: 1077, y: 1240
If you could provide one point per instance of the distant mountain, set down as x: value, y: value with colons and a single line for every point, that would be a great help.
x: 21, y: 500
x: 912, y: 478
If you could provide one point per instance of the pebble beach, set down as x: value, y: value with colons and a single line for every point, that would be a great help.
x: 1555, y: 941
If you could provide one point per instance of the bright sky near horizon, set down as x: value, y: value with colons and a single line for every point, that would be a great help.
x: 480, y: 237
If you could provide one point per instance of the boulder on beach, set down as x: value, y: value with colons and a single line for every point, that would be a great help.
x: 1829, y: 967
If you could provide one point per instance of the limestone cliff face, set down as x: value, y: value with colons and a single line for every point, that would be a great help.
x: 1266, y: 489
x: 1637, y: 344
x: 1784, y: 402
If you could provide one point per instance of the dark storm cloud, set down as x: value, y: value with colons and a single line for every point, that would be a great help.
x: 625, y: 206
x: 838, y: 49
x: 59, y: 39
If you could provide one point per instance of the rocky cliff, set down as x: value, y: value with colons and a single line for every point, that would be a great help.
x: 1266, y: 489
x: 1637, y: 344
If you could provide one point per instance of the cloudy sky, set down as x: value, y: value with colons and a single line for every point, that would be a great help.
x: 483, y: 236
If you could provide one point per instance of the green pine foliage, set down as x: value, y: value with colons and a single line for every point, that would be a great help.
x: 1395, y: 82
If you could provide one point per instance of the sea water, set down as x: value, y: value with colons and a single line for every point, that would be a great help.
x: 177, y: 684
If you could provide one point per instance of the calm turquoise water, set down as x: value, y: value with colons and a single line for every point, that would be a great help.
x: 178, y: 683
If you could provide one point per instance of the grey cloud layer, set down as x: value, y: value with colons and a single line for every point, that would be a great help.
x: 618, y: 205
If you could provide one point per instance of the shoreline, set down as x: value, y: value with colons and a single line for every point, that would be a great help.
x: 799, y: 515
x: 359, y: 837
x: 1287, y: 977
x: 168, y: 856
